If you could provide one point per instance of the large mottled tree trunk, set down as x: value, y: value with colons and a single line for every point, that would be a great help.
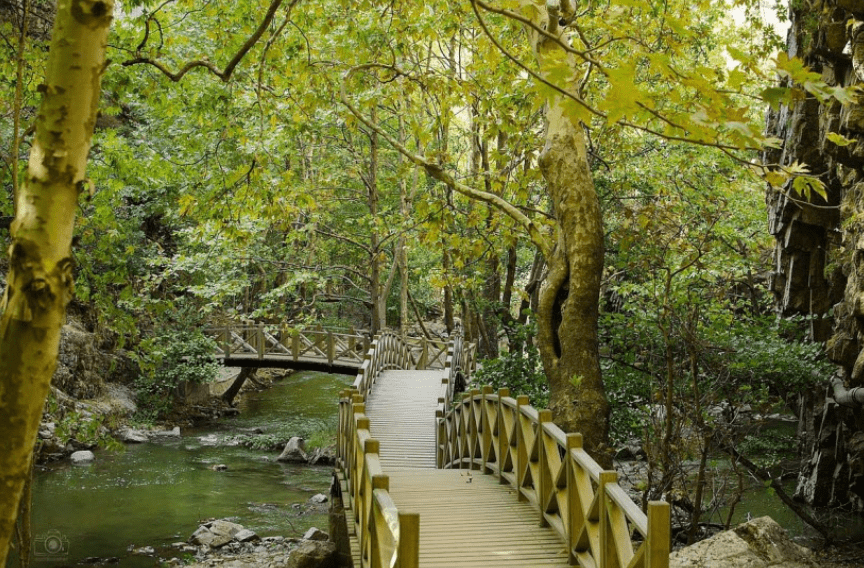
x: 568, y: 307
x: 40, y: 276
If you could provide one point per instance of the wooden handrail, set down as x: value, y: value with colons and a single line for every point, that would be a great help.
x: 387, y: 537
x: 521, y: 446
x: 260, y: 341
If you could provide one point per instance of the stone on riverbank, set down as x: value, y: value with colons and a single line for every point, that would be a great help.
x: 760, y: 543
x: 313, y: 554
x: 315, y: 533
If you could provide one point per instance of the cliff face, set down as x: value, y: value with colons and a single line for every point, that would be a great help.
x: 819, y: 252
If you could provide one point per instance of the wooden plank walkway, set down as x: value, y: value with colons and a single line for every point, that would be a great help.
x: 401, y: 409
x: 466, y: 518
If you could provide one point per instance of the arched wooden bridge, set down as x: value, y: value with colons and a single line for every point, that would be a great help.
x: 319, y: 349
x: 487, y: 481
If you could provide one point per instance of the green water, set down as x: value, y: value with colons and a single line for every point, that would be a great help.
x: 154, y: 494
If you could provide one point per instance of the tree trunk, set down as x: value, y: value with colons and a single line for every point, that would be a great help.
x: 40, y: 276
x: 379, y: 313
x: 569, y: 298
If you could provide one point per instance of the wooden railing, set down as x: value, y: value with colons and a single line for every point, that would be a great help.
x: 266, y: 342
x: 387, y: 537
x: 506, y: 437
x: 344, y: 347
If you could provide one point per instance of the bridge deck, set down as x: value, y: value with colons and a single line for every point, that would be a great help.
x: 466, y: 518
x: 401, y: 409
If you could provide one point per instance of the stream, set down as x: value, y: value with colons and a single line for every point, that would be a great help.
x: 155, y: 494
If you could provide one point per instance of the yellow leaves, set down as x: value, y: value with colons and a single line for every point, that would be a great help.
x: 624, y: 94
x: 802, y: 182
x: 187, y: 204
x: 839, y: 139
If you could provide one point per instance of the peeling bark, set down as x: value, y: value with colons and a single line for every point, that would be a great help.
x: 40, y: 277
x: 569, y: 298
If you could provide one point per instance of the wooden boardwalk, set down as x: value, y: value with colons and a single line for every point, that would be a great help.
x: 466, y: 518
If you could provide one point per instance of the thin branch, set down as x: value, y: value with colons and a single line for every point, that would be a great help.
x: 225, y: 74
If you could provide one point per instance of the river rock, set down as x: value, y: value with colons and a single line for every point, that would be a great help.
x: 215, y: 534
x: 315, y: 533
x: 133, y: 436
x: 219, y: 467
x: 144, y: 551
x: 313, y: 554
x: 295, y: 451
x: 173, y: 433
x: 760, y: 543
x: 323, y: 456
x: 319, y: 499
x: 46, y: 430
x: 82, y: 456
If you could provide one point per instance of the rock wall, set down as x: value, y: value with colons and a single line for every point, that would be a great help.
x: 819, y: 252
x: 83, y: 368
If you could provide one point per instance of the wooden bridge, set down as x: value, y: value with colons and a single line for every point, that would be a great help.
x: 329, y: 350
x: 487, y: 481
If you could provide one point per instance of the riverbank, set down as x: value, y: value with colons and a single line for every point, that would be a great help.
x: 154, y: 493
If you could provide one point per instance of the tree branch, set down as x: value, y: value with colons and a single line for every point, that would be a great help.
x: 225, y: 74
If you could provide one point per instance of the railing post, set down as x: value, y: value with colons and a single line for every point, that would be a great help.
x: 474, y: 430
x: 331, y: 348
x: 503, y: 437
x: 295, y: 345
x: 575, y: 513
x: 440, y: 438
x: 352, y: 340
x: 607, y: 540
x: 520, y: 458
x: 542, y: 485
x: 226, y: 341
x: 486, y: 439
x: 259, y: 336
x: 378, y: 482
x: 409, y: 541
x: 424, y: 354
x: 657, y: 554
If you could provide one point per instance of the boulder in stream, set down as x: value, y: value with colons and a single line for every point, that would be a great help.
x: 83, y: 456
x: 294, y: 452
x: 133, y: 436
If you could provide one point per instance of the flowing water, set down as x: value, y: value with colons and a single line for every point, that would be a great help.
x: 154, y: 494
